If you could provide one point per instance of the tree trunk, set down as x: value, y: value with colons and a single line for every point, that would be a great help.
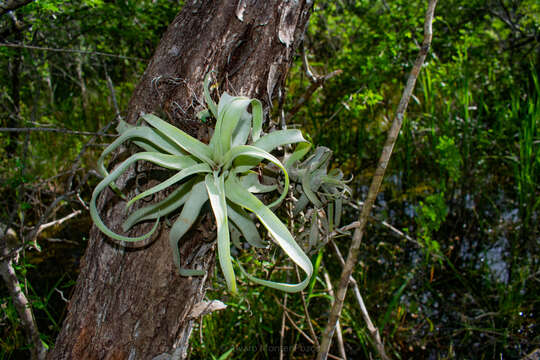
x: 130, y: 303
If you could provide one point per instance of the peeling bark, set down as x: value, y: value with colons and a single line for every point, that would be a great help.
x: 130, y: 303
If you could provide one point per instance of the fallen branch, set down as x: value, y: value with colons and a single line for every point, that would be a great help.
x: 375, y: 186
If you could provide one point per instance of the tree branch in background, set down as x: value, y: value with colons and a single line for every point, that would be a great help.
x: 46, y: 129
x: 43, y: 227
x: 110, y: 85
x: 11, y: 5
x: 77, y: 51
x: 375, y: 186
x: 282, y: 331
x: 317, y: 81
x: 339, y: 333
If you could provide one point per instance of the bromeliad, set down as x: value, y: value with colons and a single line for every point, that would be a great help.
x: 221, y: 172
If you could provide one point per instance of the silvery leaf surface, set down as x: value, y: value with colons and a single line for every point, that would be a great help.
x: 276, y: 229
x: 191, y: 210
x: 216, y: 193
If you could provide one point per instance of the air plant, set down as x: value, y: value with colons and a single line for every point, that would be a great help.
x: 319, y: 192
x: 221, y: 172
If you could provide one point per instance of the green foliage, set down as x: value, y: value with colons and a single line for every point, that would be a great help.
x: 527, y: 166
x: 431, y: 215
x: 462, y: 183
x: 449, y: 158
x: 460, y: 170
x: 319, y: 194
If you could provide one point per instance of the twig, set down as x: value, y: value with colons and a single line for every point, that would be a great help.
x: 312, y: 77
x: 306, y: 336
x: 282, y: 332
x: 81, y: 201
x: 317, y: 81
x: 42, y: 182
x: 57, y: 222
x: 308, y: 318
x: 77, y: 51
x: 56, y: 240
x: 61, y: 294
x: 375, y: 186
x: 374, y: 332
x: 55, y: 130
x: 344, y: 105
x: 285, y: 308
x: 339, y: 333
x: 334, y: 357
x: 31, y: 236
x: 113, y: 94
x: 311, y: 341
x: 356, y: 224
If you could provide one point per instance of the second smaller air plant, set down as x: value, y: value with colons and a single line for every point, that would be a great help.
x: 319, y: 192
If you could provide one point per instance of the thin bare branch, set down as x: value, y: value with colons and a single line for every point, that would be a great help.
x: 31, y: 236
x: 317, y: 81
x: 384, y: 223
x: 306, y: 311
x: 309, y: 72
x: 375, y: 186
x: 55, y: 130
x: 339, y: 333
x: 285, y: 308
x: 306, y: 336
x: 113, y: 95
x: 77, y: 51
x: 58, y: 222
x: 282, y: 332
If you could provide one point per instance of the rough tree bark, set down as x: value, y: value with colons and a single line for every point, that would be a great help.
x: 130, y: 303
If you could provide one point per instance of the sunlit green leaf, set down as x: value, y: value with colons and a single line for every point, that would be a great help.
x: 276, y: 229
x: 216, y: 193
x: 180, y: 138
x: 192, y: 207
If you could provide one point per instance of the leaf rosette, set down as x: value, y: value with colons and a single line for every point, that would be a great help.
x: 319, y: 193
x: 220, y: 173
